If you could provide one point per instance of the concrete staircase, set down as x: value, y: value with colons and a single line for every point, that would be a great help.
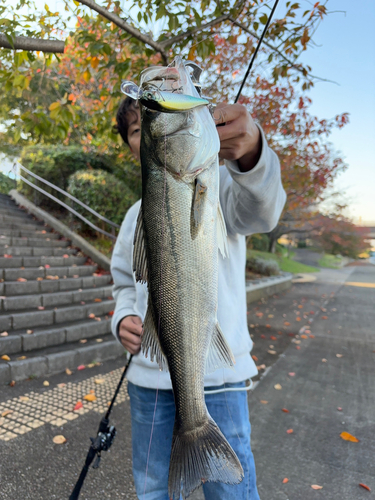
x: 55, y: 307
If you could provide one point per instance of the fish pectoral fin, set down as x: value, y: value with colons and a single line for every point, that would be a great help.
x: 150, y: 341
x: 222, y: 236
x: 201, y: 455
x: 139, y: 253
x: 198, y: 201
x: 219, y: 353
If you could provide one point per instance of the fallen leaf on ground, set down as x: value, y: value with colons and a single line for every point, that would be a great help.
x: 83, y: 341
x: 39, y: 279
x: 300, y: 306
x: 298, y: 318
x: 312, y: 336
x: 298, y: 347
x: 304, y: 336
x: 47, y: 266
x: 99, y: 340
x: 67, y: 371
x: 83, y: 302
x: 60, y: 439
x: 270, y: 351
x: 264, y: 402
x: 13, y: 383
x: 29, y: 332
x: 278, y: 387
x: 97, y: 318
x: 99, y: 381
x: 78, y: 406
x: 273, y: 337
x: 263, y: 336
x: 261, y: 367
x: 21, y: 279
x: 4, y: 334
x: 21, y: 358
x: 291, y: 374
x: 348, y: 437
x: 285, y: 480
x: 41, y: 308
x: 270, y: 315
x: 324, y: 360
x: 289, y: 431
x: 97, y: 300
x: 81, y: 367
x: 92, y: 315
x: 284, y: 410
x: 364, y: 486
x: 259, y: 314
x: 66, y: 256
x: 254, y: 357
x: 338, y: 355
x: 286, y: 323
x: 89, y: 397
x: 324, y: 317
x: 316, y: 487
x: 339, y: 408
x: 5, y: 357
x: 110, y: 313
x: 46, y: 383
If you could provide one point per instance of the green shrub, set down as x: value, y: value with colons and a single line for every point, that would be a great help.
x: 6, y: 183
x: 258, y: 242
x: 262, y: 266
x: 102, y: 192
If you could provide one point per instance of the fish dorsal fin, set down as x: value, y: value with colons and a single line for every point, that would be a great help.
x: 222, y: 237
x: 219, y: 353
x: 139, y: 254
x: 150, y: 340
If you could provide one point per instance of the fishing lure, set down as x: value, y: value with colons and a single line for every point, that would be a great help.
x: 159, y: 100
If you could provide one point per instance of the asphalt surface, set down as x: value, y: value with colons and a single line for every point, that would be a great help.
x: 33, y: 467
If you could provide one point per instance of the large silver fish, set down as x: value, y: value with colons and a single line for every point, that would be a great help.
x: 179, y: 231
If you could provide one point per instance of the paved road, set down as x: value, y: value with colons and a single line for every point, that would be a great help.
x: 32, y: 467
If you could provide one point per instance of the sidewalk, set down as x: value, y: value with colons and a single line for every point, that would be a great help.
x: 334, y: 369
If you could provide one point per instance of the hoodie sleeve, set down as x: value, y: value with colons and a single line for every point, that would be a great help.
x: 253, y: 201
x: 124, y: 288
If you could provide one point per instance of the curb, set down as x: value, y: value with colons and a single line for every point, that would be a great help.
x: 265, y: 287
x: 78, y: 241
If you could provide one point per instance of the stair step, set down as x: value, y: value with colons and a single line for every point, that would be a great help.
x: 42, y: 234
x: 35, y: 251
x: 12, y: 262
x: 53, y: 315
x: 20, y: 342
x: 17, y: 212
x: 24, y: 225
x: 11, y: 274
x: 22, y: 217
x: 22, y: 302
x: 14, y: 288
x: 52, y: 360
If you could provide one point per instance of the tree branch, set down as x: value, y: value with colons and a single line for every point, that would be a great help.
x: 114, y: 18
x: 26, y: 43
x: 274, y: 49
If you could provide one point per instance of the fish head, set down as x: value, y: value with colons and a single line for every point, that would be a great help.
x: 182, y: 141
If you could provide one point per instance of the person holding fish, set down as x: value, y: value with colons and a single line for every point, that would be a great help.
x: 187, y: 328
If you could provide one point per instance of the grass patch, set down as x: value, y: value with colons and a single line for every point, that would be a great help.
x: 330, y: 261
x: 286, y: 264
x: 103, y: 245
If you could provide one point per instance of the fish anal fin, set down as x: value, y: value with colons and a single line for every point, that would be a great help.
x: 139, y: 253
x: 200, y: 456
x: 219, y: 353
x: 222, y: 237
x: 150, y: 341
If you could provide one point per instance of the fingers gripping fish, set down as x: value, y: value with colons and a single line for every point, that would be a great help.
x: 179, y: 230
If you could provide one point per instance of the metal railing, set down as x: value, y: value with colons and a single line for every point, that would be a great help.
x: 73, y: 198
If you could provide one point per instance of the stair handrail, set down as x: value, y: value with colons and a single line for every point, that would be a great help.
x: 76, y: 200
x: 102, y: 231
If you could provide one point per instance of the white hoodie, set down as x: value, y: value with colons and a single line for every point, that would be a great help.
x: 252, y: 202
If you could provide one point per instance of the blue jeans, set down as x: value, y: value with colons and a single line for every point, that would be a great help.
x: 230, y: 412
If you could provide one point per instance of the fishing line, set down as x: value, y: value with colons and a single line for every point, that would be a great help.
x: 161, y: 292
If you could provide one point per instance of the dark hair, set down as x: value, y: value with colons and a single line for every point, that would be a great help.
x: 126, y: 111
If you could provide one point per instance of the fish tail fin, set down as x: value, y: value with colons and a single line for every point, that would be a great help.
x: 199, y: 456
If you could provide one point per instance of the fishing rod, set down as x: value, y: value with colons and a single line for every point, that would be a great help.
x: 256, y: 50
x: 103, y: 440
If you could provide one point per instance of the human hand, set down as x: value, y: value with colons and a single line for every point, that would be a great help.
x: 240, y: 138
x: 130, y: 333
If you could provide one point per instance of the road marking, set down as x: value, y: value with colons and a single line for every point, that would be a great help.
x: 55, y: 407
x: 363, y: 285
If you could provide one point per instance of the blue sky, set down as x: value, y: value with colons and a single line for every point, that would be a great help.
x: 346, y: 54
